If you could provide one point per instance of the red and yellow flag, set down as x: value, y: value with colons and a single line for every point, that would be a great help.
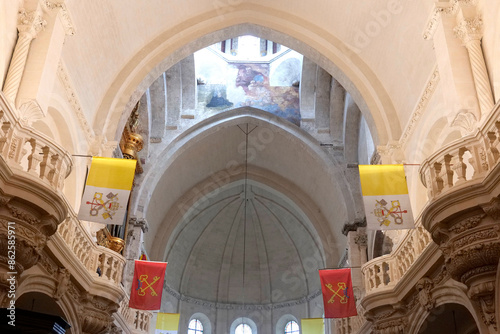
x: 147, y: 285
x: 107, y: 190
x: 338, y: 297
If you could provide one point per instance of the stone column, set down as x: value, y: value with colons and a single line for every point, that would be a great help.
x: 30, y: 23
x: 188, y: 81
x: 459, y: 94
x: 132, y: 251
x: 322, y: 100
x: 158, y: 99
x: 337, y: 103
x: 307, y: 88
x: 352, y: 118
x: 174, y: 95
x: 357, y: 256
x: 470, y: 33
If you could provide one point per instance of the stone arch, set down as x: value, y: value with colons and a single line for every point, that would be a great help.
x: 449, y: 293
x: 141, y: 203
x: 44, y: 286
x: 328, y: 51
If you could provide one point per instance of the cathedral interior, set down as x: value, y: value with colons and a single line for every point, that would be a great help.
x: 248, y: 120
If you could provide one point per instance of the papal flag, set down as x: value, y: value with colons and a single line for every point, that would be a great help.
x: 147, y: 285
x: 107, y: 190
x: 312, y: 326
x: 167, y: 323
x: 385, y: 196
x: 338, y: 296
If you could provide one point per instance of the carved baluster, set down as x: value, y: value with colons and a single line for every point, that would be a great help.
x: 446, y: 172
x: 5, y: 136
x: 438, y: 183
x: 459, y: 167
x: 491, y: 143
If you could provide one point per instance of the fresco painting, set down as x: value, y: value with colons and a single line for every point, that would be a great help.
x: 247, y: 84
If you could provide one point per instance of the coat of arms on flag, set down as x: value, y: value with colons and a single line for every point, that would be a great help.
x: 385, y: 197
x: 147, y: 285
x: 107, y: 190
x: 338, y: 296
x: 167, y: 323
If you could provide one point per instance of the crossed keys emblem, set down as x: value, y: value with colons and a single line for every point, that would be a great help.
x: 383, y: 213
x: 341, y: 287
x: 143, y: 280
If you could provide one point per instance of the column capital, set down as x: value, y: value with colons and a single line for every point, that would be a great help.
x: 469, y: 30
x: 30, y: 23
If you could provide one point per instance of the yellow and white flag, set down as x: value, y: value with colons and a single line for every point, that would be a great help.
x: 385, y: 196
x: 312, y: 326
x: 167, y: 323
x: 107, y: 190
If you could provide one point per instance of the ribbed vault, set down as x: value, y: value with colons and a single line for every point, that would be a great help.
x: 257, y: 248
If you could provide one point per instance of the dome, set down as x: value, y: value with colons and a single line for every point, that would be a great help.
x: 262, y: 250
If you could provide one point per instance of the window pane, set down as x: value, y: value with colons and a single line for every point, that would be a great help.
x: 292, y: 328
x: 243, y: 329
x: 195, y: 327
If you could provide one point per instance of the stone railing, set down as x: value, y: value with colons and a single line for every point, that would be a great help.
x: 101, y: 262
x: 385, y: 271
x: 463, y: 161
x: 27, y: 150
x: 136, y: 320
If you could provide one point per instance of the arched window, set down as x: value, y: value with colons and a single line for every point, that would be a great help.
x: 243, y: 329
x: 292, y: 328
x: 195, y: 327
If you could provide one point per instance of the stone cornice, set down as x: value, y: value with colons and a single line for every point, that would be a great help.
x: 422, y: 104
x: 69, y: 28
x: 75, y: 102
x: 233, y: 306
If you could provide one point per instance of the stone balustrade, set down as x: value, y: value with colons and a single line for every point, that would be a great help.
x: 137, y: 320
x: 101, y: 262
x: 386, y: 271
x: 27, y: 150
x: 464, y: 161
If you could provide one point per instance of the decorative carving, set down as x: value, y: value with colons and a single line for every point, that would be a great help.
x: 424, y: 287
x: 484, y: 294
x: 348, y: 227
x: 469, y: 30
x: 63, y: 277
x: 466, y: 224
x: 22, y: 215
x: 422, y: 104
x: 361, y: 239
x: 465, y: 120
x: 31, y: 22
x: 75, y: 102
x: 140, y: 222
x: 396, y: 326
x: 469, y: 239
x: 69, y: 29
x: 492, y: 208
x: 29, y: 112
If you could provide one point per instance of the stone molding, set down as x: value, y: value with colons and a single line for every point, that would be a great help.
x: 65, y: 17
x: 74, y: 101
x: 232, y: 306
x: 421, y: 106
